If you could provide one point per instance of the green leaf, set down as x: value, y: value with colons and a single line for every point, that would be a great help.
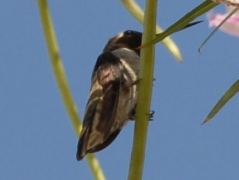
x: 224, y: 99
x: 185, y: 20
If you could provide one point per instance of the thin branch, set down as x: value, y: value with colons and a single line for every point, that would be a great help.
x: 62, y: 83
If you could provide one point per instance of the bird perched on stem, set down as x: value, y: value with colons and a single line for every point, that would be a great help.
x: 113, y: 93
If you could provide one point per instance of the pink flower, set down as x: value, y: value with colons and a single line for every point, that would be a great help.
x: 231, y: 26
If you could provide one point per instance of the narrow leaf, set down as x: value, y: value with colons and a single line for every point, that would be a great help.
x: 185, y: 20
x: 224, y: 99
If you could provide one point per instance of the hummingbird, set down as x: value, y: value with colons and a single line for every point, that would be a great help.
x: 113, y: 93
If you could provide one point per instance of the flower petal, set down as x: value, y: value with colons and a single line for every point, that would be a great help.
x: 231, y: 26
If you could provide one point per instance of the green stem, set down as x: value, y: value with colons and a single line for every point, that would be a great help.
x: 145, y: 93
x: 62, y: 83
x: 138, y: 13
x: 57, y: 65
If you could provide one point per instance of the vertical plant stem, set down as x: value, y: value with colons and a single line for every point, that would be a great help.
x: 62, y: 83
x: 144, y: 95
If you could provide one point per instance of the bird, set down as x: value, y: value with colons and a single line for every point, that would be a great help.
x: 113, y: 93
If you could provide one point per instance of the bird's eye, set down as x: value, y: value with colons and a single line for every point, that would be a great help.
x: 128, y: 32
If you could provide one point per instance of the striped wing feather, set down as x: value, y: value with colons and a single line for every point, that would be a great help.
x: 102, y: 105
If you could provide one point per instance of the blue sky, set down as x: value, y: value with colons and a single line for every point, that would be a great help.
x: 37, y: 139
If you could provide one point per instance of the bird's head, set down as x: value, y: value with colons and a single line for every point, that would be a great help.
x: 128, y: 39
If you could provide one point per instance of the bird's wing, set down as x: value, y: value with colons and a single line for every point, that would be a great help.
x: 102, y: 105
